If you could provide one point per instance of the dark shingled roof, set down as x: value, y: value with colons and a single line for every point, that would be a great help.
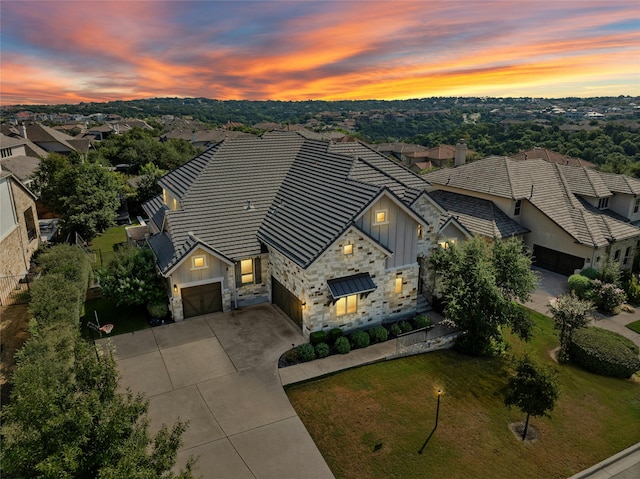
x: 477, y: 215
x: 155, y: 209
x: 295, y: 194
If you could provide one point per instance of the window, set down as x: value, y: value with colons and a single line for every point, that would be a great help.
x: 446, y: 243
x: 6, y: 152
x: 381, y: 217
x: 516, y: 211
x: 246, y: 270
x: 30, y: 224
x: 636, y: 205
x: 199, y: 262
x: 347, y: 249
x: 627, y: 253
x: 603, y: 203
x: 347, y: 305
x: 616, y: 256
x: 420, y: 232
x: 398, y: 284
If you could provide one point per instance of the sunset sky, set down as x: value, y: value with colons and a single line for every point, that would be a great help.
x: 72, y: 51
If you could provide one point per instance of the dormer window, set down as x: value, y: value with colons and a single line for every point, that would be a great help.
x: 603, y: 203
x: 381, y: 217
x: 516, y: 211
x: 347, y: 249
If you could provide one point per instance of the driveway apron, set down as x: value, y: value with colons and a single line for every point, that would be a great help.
x: 219, y: 373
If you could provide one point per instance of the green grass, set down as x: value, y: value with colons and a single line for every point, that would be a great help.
x: 393, y: 403
x: 124, y: 318
x: 105, y: 241
x: 635, y: 326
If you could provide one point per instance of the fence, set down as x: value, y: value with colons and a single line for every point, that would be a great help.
x: 15, y: 289
x: 424, y: 340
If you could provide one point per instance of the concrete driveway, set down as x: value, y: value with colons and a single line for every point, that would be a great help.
x: 219, y: 372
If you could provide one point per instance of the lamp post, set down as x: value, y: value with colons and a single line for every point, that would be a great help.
x: 440, y: 393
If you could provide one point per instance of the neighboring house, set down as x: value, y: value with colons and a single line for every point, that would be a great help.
x: 203, y: 138
x: 538, y: 153
x: 575, y: 215
x: 48, y: 139
x: 335, y: 234
x: 19, y: 232
x: 14, y: 158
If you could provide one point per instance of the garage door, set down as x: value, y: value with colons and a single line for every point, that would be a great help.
x: 203, y: 299
x: 556, y: 261
x: 286, y: 300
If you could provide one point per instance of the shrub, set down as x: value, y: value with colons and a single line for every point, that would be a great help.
x: 421, y: 321
x: 405, y: 326
x: 322, y: 350
x: 291, y: 356
x: 360, y: 339
x: 342, y: 345
x: 158, y: 309
x: 607, y: 296
x: 633, y: 290
x: 378, y: 334
x: 334, y: 334
x: 305, y: 352
x: 590, y: 273
x: 318, y: 337
x: 395, y: 330
x: 604, y: 352
x: 580, y: 285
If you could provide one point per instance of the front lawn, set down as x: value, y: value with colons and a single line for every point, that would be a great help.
x: 371, y: 421
x: 635, y: 326
x: 124, y: 318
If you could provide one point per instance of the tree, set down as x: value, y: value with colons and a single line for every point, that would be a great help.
x: 533, y: 389
x: 66, y: 416
x: 481, y: 286
x: 147, y: 186
x: 130, y: 277
x: 569, y: 313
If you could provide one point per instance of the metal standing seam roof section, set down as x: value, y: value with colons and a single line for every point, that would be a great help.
x: 348, y: 285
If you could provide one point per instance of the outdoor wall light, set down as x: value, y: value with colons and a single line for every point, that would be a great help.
x: 175, y: 288
x: 304, y: 306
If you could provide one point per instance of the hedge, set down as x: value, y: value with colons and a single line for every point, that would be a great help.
x: 580, y: 285
x: 604, y: 352
x: 359, y: 339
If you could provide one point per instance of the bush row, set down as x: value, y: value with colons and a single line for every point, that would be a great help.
x: 323, y: 343
x: 604, y: 352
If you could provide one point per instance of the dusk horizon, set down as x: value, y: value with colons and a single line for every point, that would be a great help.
x: 68, y: 52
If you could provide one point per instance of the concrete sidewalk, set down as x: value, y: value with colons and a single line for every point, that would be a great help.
x: 624, y: 465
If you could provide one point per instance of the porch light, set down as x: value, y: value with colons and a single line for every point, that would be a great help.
x: 175, y: 288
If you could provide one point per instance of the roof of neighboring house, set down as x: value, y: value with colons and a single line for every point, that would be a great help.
x: 586, y: 182
x: 23, y: 167
x: 538, y: 153
x: 478, y: 216
x: 546, y: 186
x: 621, y: 183
x: 215, y: 135
x: 295, y: 194
x: 10, y: 142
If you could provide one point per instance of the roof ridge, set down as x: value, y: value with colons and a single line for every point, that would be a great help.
x: 508, y: 170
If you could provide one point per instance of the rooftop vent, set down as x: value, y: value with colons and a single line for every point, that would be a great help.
x: 249, y: 206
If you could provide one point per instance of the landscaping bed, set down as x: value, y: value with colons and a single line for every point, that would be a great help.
x: 335, y: 341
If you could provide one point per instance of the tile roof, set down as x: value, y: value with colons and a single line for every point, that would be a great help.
x: 477, y: 215
x: 23, y: 167
x: 621, y: 183
x: 551, y: 156
x: 297, y: 195
x: 546, y: 186
x: 156, y: 210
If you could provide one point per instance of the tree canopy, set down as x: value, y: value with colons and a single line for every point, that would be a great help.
x: 533, y: 389
x: 569, y: 313
x: 481, y: 283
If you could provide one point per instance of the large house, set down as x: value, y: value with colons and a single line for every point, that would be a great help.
x: 19, y: 232
x: 575, y: 216
x: 335, y: 234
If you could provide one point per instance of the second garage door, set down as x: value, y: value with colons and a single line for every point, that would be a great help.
x: 286, y: 300
x: 203, y: 299
x: 556, y: 261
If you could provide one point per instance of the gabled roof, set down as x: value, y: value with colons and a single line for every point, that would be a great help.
x: 538, y: 153
x: 478, y: 216
x: 295, y: 194
x: 546, y: 186
x: 23, y: 167
x: 621, y: 183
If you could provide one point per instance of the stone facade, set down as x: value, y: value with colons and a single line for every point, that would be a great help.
x: 254, y: 293
x: 310, y: 285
